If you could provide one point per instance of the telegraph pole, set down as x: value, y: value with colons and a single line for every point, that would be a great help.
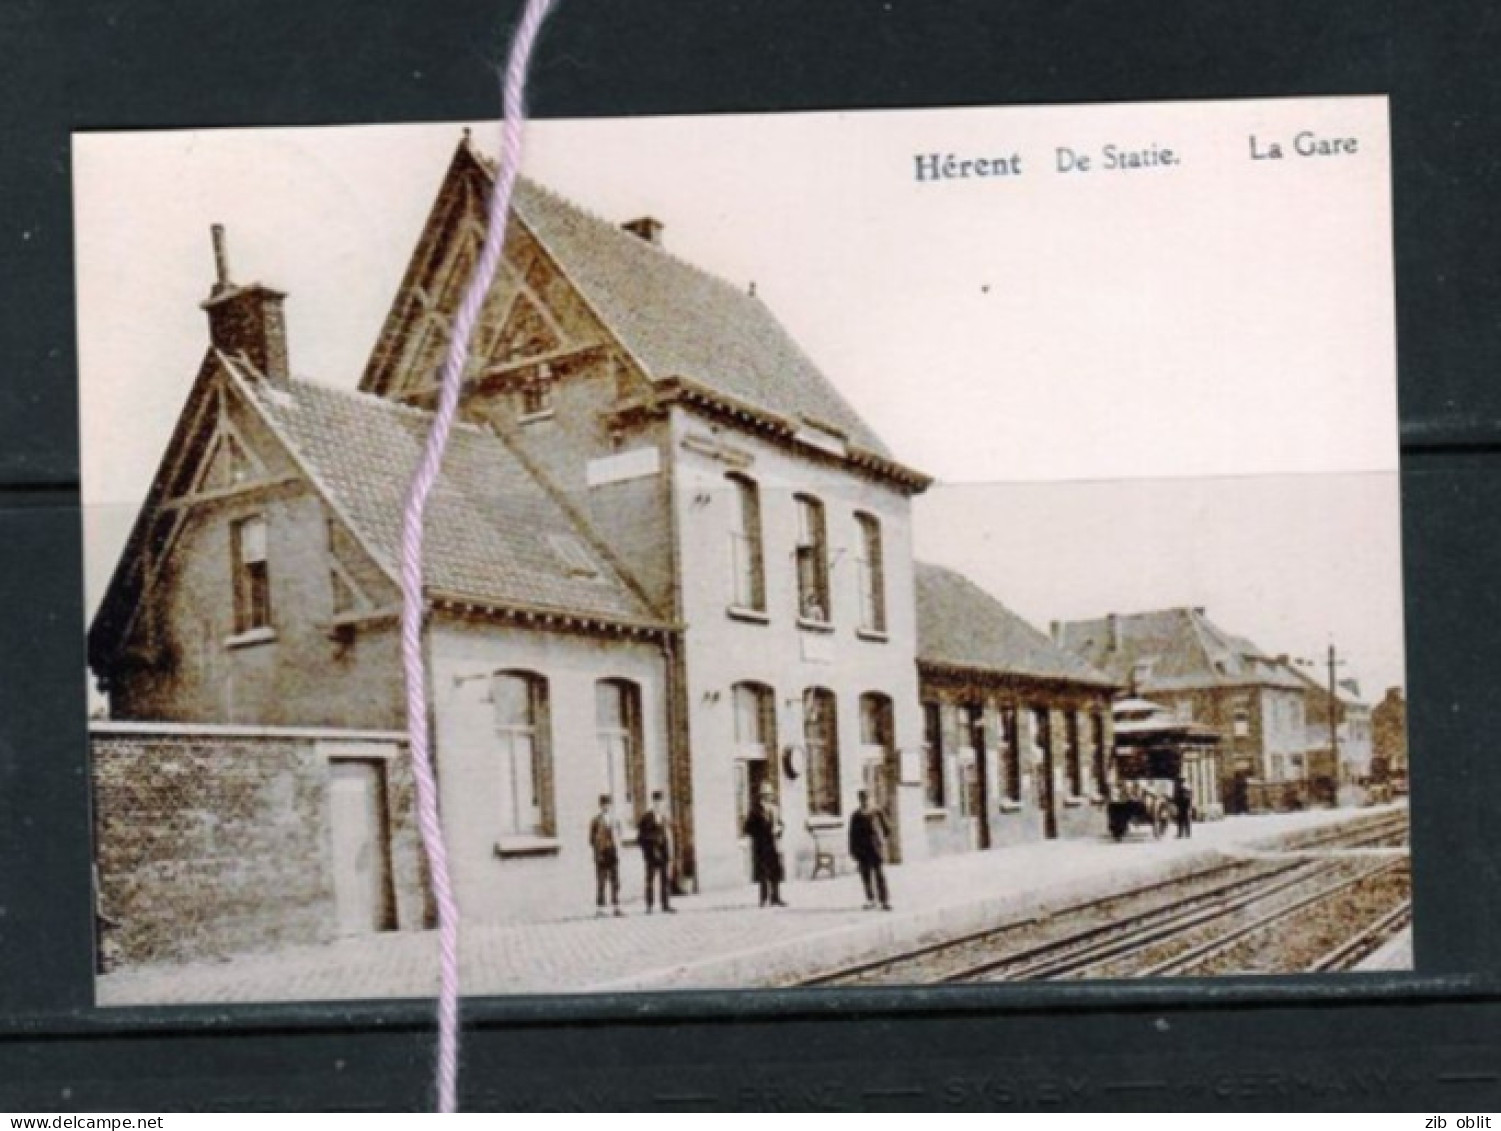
x: 1334, y: 710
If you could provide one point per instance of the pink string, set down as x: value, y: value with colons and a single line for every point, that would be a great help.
x: 412, y: 610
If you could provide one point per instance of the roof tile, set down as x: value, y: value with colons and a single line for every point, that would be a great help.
x: 492, y: 531
x: 961, y: 625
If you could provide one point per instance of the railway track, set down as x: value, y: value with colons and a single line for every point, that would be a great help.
x: 1107, y: 934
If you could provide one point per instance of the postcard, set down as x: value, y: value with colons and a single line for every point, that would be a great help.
x: 878, y: 548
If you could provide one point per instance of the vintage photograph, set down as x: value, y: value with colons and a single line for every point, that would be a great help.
x: 878, y: 548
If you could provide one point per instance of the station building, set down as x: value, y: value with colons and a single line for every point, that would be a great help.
x: 665, y: 553
x: 1019, y: 732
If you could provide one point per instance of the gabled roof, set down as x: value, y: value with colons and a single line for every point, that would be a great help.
x: 678, y: 320
x: 692, y: 335
x: 494, y: 537
x: 959, y: 625
x: 1171, y: 650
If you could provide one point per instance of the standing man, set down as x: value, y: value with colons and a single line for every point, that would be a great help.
x: 654, y: 832
x: 763, y: 825
x: 1183, y: 802
x: 604, y: 840
x: 869, y: 835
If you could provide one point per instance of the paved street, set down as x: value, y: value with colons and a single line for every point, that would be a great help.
x: 716, y: 940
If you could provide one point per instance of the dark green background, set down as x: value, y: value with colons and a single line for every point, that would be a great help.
x: 1432, y: 1041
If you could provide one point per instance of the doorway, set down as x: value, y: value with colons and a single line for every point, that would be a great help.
x: 363, y: 897
x: 975, y: 776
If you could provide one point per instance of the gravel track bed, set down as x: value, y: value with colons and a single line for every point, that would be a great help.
x: 1021, y: 935
x: 1296, y: 943
x: 1136, y: 962
x: 1036, y: 932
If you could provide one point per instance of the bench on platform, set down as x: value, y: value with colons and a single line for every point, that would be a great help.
x: 826, y: 846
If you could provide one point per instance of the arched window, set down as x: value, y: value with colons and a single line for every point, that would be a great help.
x: 934, y: 792
x: 617, y: 726
x: 872, y: 571
x: 749, y: 585
x: 755, y: 745
x: 877, y: 748
x: 520, y: 703
x: 821, y: 737
x: 812, y: 561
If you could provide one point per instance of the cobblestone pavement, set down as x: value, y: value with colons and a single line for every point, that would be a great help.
x: 709, y: 934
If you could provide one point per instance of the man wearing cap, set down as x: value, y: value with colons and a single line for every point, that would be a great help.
x: 763, y: 826
x: 869, y: 835
x: 604, y: 840
x: 654, y: 833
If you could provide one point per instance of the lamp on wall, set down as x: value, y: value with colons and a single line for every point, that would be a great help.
x: 794, y: 761
x: 711, y: 697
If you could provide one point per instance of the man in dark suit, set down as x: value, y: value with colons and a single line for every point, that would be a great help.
x: 654, y: 833
x: 763, y: 827
x: 1183, y: 804
x: 604, y: 842
x: 869, y: 835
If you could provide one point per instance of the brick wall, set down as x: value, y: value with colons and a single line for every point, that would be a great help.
x: 213, y: 841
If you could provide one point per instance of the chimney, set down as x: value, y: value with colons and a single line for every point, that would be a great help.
x: 646, y: 228
x: 247, y: 320
x: 1055, y: 630
x: 1113, y: 629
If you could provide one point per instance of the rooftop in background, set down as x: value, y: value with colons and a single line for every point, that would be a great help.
x: 1172, y: 649
x: 959, y: 625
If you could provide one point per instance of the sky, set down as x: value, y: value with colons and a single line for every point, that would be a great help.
x: 1136, y: 388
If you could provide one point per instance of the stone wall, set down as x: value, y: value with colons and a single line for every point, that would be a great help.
x: 214, y: 841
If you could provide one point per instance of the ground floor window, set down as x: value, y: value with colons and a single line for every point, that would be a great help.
x: 1073, y: 754
x: 821, y: 737
x: 934, y: 793
x: 1011, y: 760
x: 520, y: 705
x: 877, y: 748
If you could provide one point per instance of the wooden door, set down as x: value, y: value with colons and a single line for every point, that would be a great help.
x: 361, y: 851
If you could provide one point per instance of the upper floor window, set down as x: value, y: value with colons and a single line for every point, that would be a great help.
x: 1241, y: 723
x: 872, y: 575
x: 520, y: 704
x: 812, y: 560
x: 252, y: 578
x: 749, y: 590
x: 537, y: 393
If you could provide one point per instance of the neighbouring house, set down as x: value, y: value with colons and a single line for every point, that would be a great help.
x: 1018, y: 730
x: 1203, y: 674
x: 665, y: 554
x: 1343, y: 756
x: 1389, y: 736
